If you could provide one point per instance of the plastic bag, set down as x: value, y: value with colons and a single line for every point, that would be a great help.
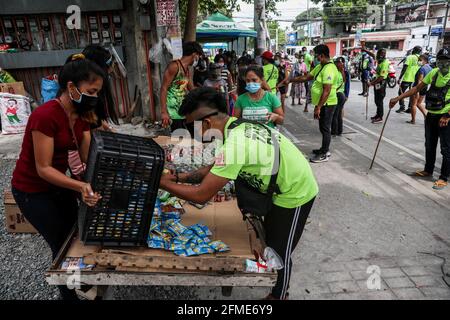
x: 49, y: 89
x: 15, y: 111
x: 273, y: 260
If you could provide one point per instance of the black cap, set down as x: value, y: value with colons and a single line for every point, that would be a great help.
x: 444, y: 53
x: 417, y: 49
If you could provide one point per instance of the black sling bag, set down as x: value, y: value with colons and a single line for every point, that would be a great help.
x: 249, y: 199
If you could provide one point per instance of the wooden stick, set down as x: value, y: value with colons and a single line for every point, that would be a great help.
x: 367, y: 102
x: 379, y: 140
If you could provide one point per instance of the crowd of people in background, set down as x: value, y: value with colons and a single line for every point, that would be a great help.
x: 258, y: 91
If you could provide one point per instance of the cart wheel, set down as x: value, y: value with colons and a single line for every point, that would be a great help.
x: 226, y: 291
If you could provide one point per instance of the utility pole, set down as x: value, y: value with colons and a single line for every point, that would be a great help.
x: 260, y: 22
x: 276, y: 40
x: 309, y: 23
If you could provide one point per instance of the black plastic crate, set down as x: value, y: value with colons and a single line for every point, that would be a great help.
x: 125, y: 171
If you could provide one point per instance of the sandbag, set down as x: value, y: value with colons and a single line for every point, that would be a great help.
x: 15, y: 111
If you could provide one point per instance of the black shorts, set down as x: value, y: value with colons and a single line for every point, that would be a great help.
x: 423, y: 92
x: 282, y: 90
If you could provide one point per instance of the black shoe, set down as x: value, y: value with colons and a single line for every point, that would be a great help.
x: 401, y: 110
x: 319, y: 158
x: 408, y: 110
x: 318, y: 151
x: 361, y: 94
x: 374, y: 117
x: 377, y: 120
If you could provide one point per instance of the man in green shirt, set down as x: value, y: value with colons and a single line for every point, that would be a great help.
x: 437, y: 120
x: 248, y: 153
x: 379, y: 84
x: 270, y: 70
x: 323, y: 96
x: 407, y: 76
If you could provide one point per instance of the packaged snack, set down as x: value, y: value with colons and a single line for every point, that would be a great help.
x: 255, y: 266
x: 219, y: 246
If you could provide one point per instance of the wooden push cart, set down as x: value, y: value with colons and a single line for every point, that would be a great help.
x: 144, y: 266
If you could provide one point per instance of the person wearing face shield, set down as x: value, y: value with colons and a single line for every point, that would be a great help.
x: 248, y: 155
x: 215, y: 80
x: 283, y: 79
x: 437, y: 129
x: 176, y: 83
x: 46, y: 196
x: 298, y: 69
x: 379, y: 84
x: 225, y: 73
x: 407, y: 76
x: 418, y: 99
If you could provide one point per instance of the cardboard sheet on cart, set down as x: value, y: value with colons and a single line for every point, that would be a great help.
x: 223, y: 219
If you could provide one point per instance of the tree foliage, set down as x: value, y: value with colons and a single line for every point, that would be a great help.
x: 208, y: 7
x: 273, y: 26
x: 349, y: 12
x: 303, y: 17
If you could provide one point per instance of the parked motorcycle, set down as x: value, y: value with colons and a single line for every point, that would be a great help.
x: 392, y: 77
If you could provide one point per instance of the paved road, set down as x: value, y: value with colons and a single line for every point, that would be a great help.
x: 368, y: 223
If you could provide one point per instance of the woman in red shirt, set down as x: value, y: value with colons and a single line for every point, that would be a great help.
x: 46, y: 196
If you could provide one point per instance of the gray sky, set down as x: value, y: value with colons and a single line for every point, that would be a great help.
x: 289, y: 9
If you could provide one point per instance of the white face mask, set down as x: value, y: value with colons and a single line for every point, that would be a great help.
x: 195, y: 62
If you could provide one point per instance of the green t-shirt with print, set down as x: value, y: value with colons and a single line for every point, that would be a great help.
x: 308, y: 59
x: 324, y: 74
x: 271, y: 76
x: 383, y: 69
x: 257, y: 110
x: 248, y: 152
x: 412, y: 61
x: 441, y: 81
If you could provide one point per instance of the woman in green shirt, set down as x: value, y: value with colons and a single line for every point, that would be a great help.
x: 257, y: 104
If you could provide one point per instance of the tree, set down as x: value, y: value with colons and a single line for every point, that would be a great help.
x: 204, y: 9
x: 208, y: 7
x: 271, y: 6
x: 348, y: 12
x: 191, y: 21
x: 273, y: 26
x: 303, y: 17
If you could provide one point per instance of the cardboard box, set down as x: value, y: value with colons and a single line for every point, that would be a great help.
x: 15, y: 221
x: 13, y: 88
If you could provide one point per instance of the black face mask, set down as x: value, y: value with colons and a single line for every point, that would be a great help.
x: 85, y: 104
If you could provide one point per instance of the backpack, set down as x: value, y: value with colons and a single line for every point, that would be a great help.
x: 435, y: 98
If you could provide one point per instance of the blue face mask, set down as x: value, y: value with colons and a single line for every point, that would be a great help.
x: 253, y: 87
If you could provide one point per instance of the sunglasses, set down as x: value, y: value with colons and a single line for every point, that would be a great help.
x: 204, y: 117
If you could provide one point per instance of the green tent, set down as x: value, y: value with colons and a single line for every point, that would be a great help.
x: 218, y: 27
